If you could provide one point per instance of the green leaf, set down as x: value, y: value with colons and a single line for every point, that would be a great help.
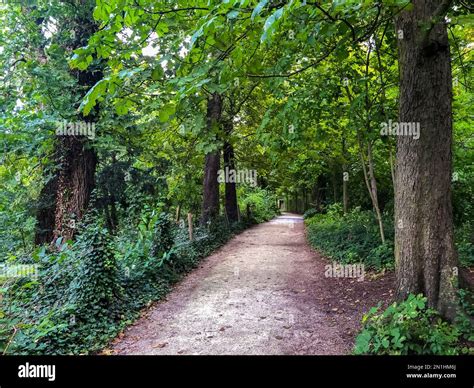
x: 233, y: 14
x: 92, y: 95
x: 258, y: 9
x: 157, y: 73
x: 270, y: 24
x: 166, y: 112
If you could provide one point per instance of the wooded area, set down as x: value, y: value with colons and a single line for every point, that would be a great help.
x: 137, y: 136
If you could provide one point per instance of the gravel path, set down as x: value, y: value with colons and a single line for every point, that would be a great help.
x: 264, y: 292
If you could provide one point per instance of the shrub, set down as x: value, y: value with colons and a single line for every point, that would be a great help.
x: 465, y: 318
x: 262, y: 203
x: 408, y: 327
x: 351, y: 238
x: 310, y: 213
x: 77, y: 303
x: 464, y: 237
x: 381, y: 256
x: 95, y: 289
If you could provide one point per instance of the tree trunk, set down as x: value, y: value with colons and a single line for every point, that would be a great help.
x: 68, y: 193
x: 375, y: 196
x: 345, y: 196
x: 178, y: 213
x: 45, y: 214
x: 392, y: 171
x: 78, y: 159
x: 305, y: 200
x: 231, y: 206
x: 334, y: 181
x: 345, y: 178
x: 371, y: 183
x: 111, y: 217
x: 318, y: 193
x: 426, y: 260
x: 46, y: 210
x: 210, y: 202
x: 75, y: 184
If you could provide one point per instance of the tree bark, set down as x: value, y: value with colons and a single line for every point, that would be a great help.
x: 426, y: 260
x: 178, y: 213
x: 75, y: 184
x: 210, y: 203
x: 231, y: 206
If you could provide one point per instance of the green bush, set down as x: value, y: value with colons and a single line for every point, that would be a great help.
x: 262, y: 204
x: 77, y: 303
x: 310, y: 213
x: 465, y: 318
x: 381, y: 256
x: 404, y: 328
x: 464, y: 238
x: 351, y: 238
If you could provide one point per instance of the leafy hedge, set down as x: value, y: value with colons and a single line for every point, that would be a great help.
x: 355, y: 237
x: 351, y: 238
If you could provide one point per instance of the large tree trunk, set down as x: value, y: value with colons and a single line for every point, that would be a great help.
x: 67, y: 195
x: 210, y: 202
x: 75, y: 184
x: 231, y: 206
x: 46, y: 206
x: 426, y: 260
x: 78, y: 159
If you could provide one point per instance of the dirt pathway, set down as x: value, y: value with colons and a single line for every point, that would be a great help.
x: 264, y: 292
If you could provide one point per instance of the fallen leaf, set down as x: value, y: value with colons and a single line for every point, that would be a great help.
x: 160, y: 345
